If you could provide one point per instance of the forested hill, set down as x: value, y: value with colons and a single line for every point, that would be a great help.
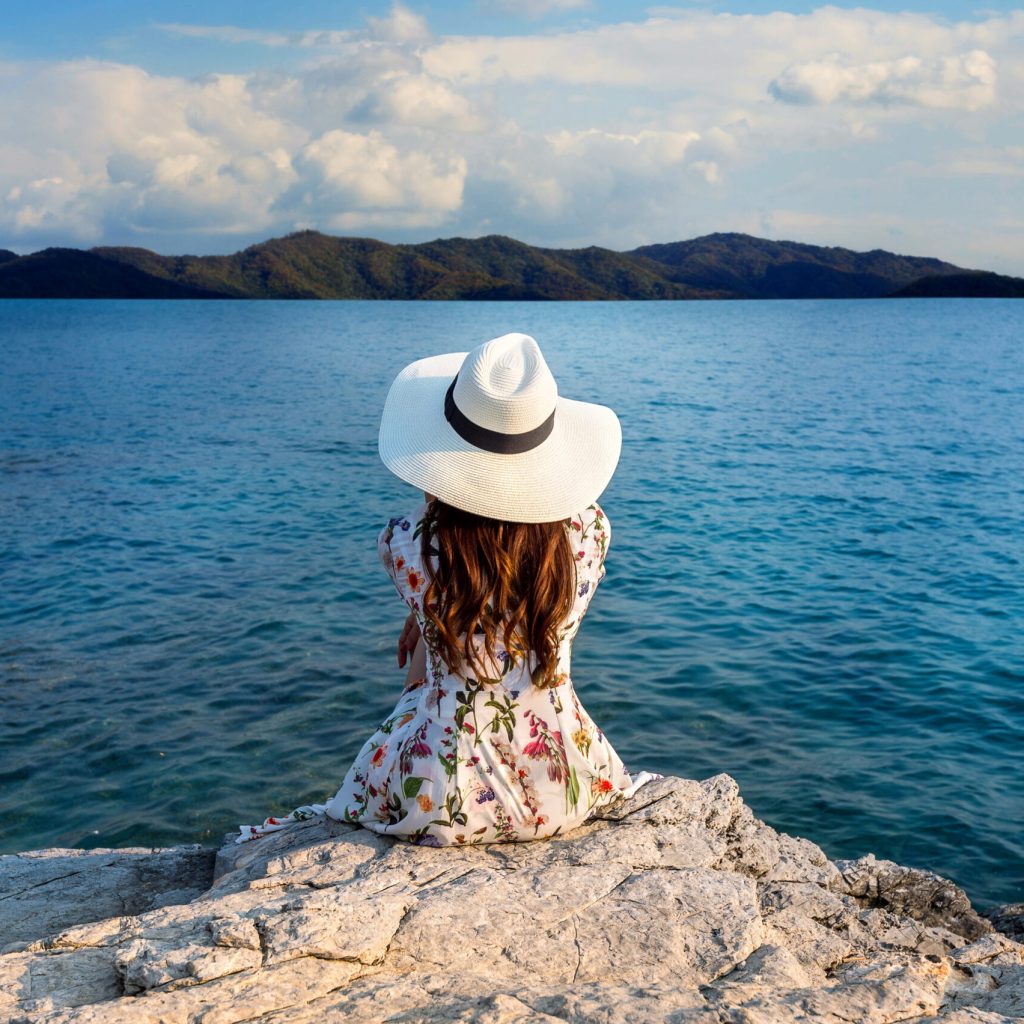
x: 311, y: 265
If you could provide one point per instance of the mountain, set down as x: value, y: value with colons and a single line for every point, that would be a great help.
x: 756, y: 268
x: 972, y: 285
x: 74, y: 274
x: 311, y: 265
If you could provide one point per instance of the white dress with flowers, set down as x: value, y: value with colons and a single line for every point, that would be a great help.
x: 467, y: 760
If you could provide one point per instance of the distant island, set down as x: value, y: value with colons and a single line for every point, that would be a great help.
x: 312, y: 265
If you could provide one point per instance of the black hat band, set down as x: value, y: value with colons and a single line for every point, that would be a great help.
x: 493, y: 440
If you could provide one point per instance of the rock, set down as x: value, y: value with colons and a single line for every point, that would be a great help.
x: 674, y: 905
x: 1008, y: 919
x: 921, y: 895
x: 42, y: 891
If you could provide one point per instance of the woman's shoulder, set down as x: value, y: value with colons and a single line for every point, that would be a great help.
x: 398, y: 547
x: 404, y: 527
x: 592, y: 521
x: 590, y: 533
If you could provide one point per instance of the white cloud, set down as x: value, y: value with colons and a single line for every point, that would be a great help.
x: 127, y: 147
x: 725, y: 55
x: 537, y: 8
x: 963, y: 81
x: 416, y: 99
x: 642, y: 150
x: 401, y: 25
x: 345, y: 173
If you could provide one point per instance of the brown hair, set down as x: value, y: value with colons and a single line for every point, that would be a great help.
x: 491, y: 574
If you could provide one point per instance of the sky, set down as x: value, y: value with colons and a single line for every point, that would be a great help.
x: 191, y: 127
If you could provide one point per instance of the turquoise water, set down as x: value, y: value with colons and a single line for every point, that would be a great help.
x: 814, y: 582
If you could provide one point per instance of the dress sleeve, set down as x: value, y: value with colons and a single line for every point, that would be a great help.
x: 591, y: 534
x: 601, y: 539
x: 398, y: 551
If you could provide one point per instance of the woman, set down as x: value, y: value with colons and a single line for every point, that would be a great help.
x: 489, y: 742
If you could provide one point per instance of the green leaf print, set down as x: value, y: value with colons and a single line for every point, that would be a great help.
x: 396, y: 810
x: 467, y: 701
x: 573, y: 790
x: 447, y: 762
x: 504, y: 715
x: 453, y: 805
x: 412, y: 785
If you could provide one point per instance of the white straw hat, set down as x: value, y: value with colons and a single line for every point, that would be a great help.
x: 487, y: 432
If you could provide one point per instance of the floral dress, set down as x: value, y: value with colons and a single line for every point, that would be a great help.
x: 469, y: 759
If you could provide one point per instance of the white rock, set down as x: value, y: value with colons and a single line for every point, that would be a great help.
x: 676, y: 904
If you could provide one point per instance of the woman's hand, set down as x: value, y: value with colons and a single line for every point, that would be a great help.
x: 409, y: 638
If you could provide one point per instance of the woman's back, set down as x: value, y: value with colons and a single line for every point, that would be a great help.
x: 471, y: 756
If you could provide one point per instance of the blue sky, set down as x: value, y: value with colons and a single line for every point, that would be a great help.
x: 204, y: 127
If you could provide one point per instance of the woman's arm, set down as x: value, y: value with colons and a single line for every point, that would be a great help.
x: 417, y: 665
x: 409, y: 636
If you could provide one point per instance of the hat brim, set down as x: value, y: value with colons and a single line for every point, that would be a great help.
x: 564, y: 474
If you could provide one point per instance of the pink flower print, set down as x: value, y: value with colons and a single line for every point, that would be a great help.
x: 416, y: 747
x: 547, y: 746
x: 535, y: 749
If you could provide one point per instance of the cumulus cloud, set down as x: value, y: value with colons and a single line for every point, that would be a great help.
x: 129, y: 147
x: 562, y: 184
x: 344, y: 175
x: 726, y: 55
x: 962, y: 81
x: 416, y: 99
x: 402, y: 25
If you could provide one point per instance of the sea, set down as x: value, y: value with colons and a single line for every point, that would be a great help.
x: 814, y: 582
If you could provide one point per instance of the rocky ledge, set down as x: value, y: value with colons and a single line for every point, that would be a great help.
x: 676, y: 905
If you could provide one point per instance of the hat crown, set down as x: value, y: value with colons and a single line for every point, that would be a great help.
x: 505, y: 385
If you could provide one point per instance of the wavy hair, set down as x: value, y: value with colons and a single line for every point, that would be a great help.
x: 510, y: 581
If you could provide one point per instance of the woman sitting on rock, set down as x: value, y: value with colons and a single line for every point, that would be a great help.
x: 489, y: 742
